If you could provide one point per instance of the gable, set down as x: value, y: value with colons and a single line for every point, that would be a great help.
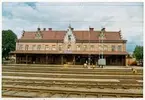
x: 69, y: 36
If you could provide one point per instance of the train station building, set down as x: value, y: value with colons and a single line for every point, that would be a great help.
x: 70, y: 46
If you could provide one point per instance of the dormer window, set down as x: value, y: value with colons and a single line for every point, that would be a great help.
x: 38, y: 35
x: 69, y: 37
x: 102, y: 34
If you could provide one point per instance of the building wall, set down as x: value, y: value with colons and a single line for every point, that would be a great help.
x: 22, y: 46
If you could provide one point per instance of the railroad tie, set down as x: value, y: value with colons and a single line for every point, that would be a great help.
x: 66, y: 95
x: 83, y: 95
x: 101, y: 87
x: 124, y: 87
x: 99, y: 95
x: 88, y: 87
x: 51, y: 94
x: 118, y: 96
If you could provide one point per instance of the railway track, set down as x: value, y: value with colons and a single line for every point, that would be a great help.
x: 101, y: 85
x: 74, y: 72
x: 88, y: 76
x: 72, y: 69
x: 81, y: 91
x: 40, y: 81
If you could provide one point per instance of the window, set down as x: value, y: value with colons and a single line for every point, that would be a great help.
x: 105, y: 48
x: 119, y: 48
x: 92, y: 47
x: 68, y: 47
x: 100, y: 48
x: 46, y: 47
x: 85, y: 47
x: 33, y: 47
x: 38, y: 47
x: 20, y: 47
x: 69, y: 37
x: 78, y: 47
x: 60, y: 47
x: 53, y: 47
x: 38, y: 35
x: 26, y: 47
x: 113, y: 47
x: 101, y: 35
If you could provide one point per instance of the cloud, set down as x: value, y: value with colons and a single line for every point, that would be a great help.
x: 113, y: 16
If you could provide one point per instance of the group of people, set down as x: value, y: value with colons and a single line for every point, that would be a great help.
x: 89, y: 65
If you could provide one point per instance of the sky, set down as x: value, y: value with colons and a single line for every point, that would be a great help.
x: 28, y: 16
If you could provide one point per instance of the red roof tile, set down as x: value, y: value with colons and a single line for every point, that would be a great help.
x: 80, y: 35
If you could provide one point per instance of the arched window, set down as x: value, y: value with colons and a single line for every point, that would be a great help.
x: 60, y: 47
x: 78, y: 47
x: 113, y: 48
x: 53, y: 47
x: 38, y: 47
x: 119, y: 48
x: 20, y: 47
x: 85, y: 47
x: 26, y: 47
x: 33, y: 47
x: 100, y: 48
x: 46, y: 47
x: 92, y: 47
x: 105, y: 48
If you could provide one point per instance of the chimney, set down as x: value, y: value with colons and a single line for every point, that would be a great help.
x: 103, y: 29
x: 50, y: 29
x: 91, y: 29
x: 38, y: 29
x: 44, y: 29
x: 120, y: 34
x: 23, y: 33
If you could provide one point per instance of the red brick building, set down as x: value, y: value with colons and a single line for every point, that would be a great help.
x: 48, y: 46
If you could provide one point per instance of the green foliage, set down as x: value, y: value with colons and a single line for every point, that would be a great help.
x: 138, y: 52
x: 8, y: 42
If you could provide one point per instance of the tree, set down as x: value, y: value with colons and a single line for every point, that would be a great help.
x: 138, y: 52
x: 8, y: 42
